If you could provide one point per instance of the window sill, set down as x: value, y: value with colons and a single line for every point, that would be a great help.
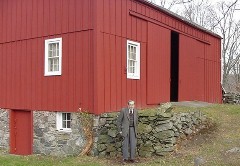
x: 65, y: 130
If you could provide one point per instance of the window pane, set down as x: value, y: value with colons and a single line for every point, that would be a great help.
x: 53, y: 46
x: 130, y: 69
x: 56, y: 64
x: 68, y: 116
x: 64, y: 116
x: 57, y: 47
x: 131, y: 49
x: 54, y: 53
x: 64, y: 124
x: 68, y: 124
x: 50, y: 47
x: 134, y: 56
x: 130, y: 56
x: 50, y: 64
x: 50, y: 53
x: 57, y: 52
x: 131, y: 63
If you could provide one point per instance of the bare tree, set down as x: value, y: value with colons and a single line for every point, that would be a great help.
x: 198, y: 12
x: 228, y: 27
x: 168, y: 4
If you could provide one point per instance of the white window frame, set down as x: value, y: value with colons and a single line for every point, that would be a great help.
x: 136, y: 74
x: 59, y: 122
x: 46, y: 70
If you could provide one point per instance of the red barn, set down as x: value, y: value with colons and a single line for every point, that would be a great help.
x: 62, y: 55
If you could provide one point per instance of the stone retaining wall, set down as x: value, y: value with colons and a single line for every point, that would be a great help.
x: 231, y: 98
x: 158, y: 131
x: 4, y: 129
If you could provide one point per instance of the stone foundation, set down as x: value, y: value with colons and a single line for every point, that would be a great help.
x: 4, y: 129
x: 49, y: 141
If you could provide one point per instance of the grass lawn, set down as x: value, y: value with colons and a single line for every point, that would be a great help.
x: 210, y: 145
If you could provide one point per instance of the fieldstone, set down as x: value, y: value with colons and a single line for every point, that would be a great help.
x: 102, y: 154
x: 152, y: 118
x: 234, y: 150
x: 96, y: 122
x: 101, y: 147
x: 112, y: 133
x: 104, y: 115
x: 171, y: 140
x: 164, y: 134
x: 164, y: 116
x: 118, y: 145
x: 164, y: 127
x: 198, y: 161
x: 161, y: 153
x: 168, y: 149
x: 102, y: 121
x: 113, y: 154
x: 144, y: 128
x: 67, y: 150
x: 103, y: 130
x: 183, y: 119
x: 143, y: 120
x: 188, y: 131
x: 166, y: 107
x: 103, y: 139
x: 160, y: 121
x: 148, y: 147
x: 79, y: 141
x: 110, y: 148
x: 158, y: 149
x: 38, y: 132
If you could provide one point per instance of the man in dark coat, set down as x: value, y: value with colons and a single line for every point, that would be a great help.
x: 127, y: 127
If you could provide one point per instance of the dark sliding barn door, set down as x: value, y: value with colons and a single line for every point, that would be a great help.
x: 174, y: 66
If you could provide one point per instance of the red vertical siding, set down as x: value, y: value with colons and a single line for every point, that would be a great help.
x: 29, y: 23
x: 34, y: 24
x: 36, y: 18
x: 1, y: 21
x: 115, y: 89
x: 158, y: 64
x: 29, y: 19
x: 118, y: 72
x: 199, y: 71
x: 186, y: 68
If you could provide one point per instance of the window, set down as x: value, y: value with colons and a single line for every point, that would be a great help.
x: 53, y: 57
x: 64, y: 121
x: 133, y: 60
